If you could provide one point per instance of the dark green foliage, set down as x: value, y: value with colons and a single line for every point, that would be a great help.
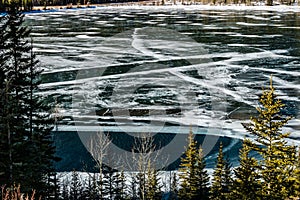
x: 153, y: 186
x: 25, y: 5
x: 26, y: 148
x: 222, y: 180
x: 121, y: 187
x: 100, y: 184
x: 133, y: 190
x: 141, y: 184
x: 194, y: 177
x: 297, y: 175
x: 188, y: 171
x: 246, y: 184
x: 278, y: 158
x: 174, y: 187
x: 76, y: 188
x: 65, y: 194
x: 269, y: 2
x: 91, y: 191
x: 53, y: 189
x: 202, y: 177
x: 110, y: 181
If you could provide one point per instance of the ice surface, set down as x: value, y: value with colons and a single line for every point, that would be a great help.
x: 136, y: 68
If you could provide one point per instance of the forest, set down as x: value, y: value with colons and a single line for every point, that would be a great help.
x: 27, y: 151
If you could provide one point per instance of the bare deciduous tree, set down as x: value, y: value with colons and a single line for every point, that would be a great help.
x: 145, y: 154
x: 98, y: 147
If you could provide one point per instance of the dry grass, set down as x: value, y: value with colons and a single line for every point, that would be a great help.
x: 14, y: 193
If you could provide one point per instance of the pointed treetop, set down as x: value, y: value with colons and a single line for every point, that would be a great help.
x: 191, y: 136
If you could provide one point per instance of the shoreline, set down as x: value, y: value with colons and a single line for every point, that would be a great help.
x: 158, y: 4
x: 121, y: 4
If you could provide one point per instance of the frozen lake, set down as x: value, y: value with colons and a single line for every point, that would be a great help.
x: 166, y: 69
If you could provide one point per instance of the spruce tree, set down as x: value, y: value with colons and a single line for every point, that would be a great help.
x: 246, y: 185
x: 188, y: 187
x: 278, y: 158
x: 173, y: 187
x: 100, y: 184
x: 76, y: 189
x: 141, y: 184
x: 297, y: 176
x: 91, y: 191
x: 228, y: 180
x: 194, y: 177
x: 53, y: 189
x: 26, y: 5
x: 133, y: 187
x: 153, y: 186
x: 202, y: 177
x: 5, y: 146
x: 222, y: 181
x: 217, y: 180
x: 121, y: 186
x: 114, y: 184
x: 27, y: 151
x: 108, y: 183
x: 65, y: 194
